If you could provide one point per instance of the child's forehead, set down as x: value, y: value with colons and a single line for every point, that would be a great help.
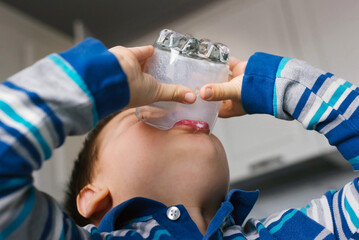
x: 115, y: 124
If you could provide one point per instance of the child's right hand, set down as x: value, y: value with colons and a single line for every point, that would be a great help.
x: 144, y: 89
x: 229, y: 93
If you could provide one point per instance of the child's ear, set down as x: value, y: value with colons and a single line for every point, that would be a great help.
x: 94, y: 202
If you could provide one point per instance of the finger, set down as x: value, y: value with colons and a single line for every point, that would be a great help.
x: 142, y: 53
x: 233, y: 61
x: 230, y: 108
x: 176, y: 93
x: 226, y: 109
x: 239, y: 69
x: 230, y: 77
x: 222, y: 91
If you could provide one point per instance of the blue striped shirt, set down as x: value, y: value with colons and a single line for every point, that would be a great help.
x: 39, y: 106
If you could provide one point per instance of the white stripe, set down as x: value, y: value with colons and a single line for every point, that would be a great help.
x: 312, y: 111
x: 314, y: 211
x: 232, y: 230
x: 22, y: 129
x: 323, y: 234
x: 83, y: 233
x: 31, y: 113
x: 29, y: 108
x: 57, y: 81
x: 327, y: 213
x: 354, y: 203
x: 13, y: 142
x: 325, y: 114
x: 144, y: 228
x: 273, y: 218
x: 118, y: 233
x: 351, y: 109
x: 346, y: 214
x: 337, y: 218
x: 10, y: 205
x: 342, y: 98
x: 57, y: 223
x: 340, y: 81
x: 333, y: 124
x: 330, y: 91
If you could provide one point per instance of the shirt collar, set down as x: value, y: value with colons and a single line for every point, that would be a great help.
x: 131, y: 209
x: 242, y: 201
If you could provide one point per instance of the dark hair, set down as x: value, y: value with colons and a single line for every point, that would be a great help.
x: 82, y: 172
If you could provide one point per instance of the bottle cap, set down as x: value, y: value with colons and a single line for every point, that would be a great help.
x: 189, y: 46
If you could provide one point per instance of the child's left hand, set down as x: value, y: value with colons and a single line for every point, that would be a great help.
x: 144, y: 89
x: 230, y: 92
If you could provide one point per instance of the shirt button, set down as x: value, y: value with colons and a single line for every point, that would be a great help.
x: 173, y: 213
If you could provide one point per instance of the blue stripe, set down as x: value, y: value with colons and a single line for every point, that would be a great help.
x: 20, y: 138
x: 301, y: 103
x: 304, y: 209
x: 12, y: 164
x: 315, y: 119
x: 277, y: 227
x: 47, y: 228
x: 346, y: 103
x: 347, y: 85
x: 37, y: 100
x: 319, y: 82
x: 337, y: 94
x: 12, y: 185
x: 354, y: 160
x: 281, y: 66
x: 345, y: 227
x: 159, y: 233
x: 260, y: 227
x: 332, y: 116
x: 350, y: 211
x: 239, y: 238
x: 62, y: 236
x: 34, y: 130
x: 71, y: 73
x: 275, y: 106
x: 24, y: 213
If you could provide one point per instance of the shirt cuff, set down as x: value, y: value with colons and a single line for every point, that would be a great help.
x: 257, y: 94
x: 102, y: 74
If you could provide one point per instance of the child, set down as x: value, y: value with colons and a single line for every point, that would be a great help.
x: 133, y: 181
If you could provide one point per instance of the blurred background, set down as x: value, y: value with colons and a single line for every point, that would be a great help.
x: 288, y: 164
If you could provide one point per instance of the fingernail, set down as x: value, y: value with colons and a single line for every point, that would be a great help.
x: 208, y: 93
x: 189, y: 97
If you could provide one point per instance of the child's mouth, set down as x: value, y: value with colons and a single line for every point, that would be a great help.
x: 193, y: 125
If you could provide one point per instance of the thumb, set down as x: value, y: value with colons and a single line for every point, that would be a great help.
x: 222, y: 91
x: 142, y: 53
x: 176, y: 93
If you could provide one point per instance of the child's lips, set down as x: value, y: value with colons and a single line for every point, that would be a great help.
x: 193, y: 125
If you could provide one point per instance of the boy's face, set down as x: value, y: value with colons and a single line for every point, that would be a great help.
x: 135, y: 159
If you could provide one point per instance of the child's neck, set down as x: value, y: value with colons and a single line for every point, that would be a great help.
x: 201, y: 216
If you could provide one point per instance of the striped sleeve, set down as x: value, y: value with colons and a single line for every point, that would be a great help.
x: 62, y: 94
x: 292, y: 89
x: 336, y: 212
